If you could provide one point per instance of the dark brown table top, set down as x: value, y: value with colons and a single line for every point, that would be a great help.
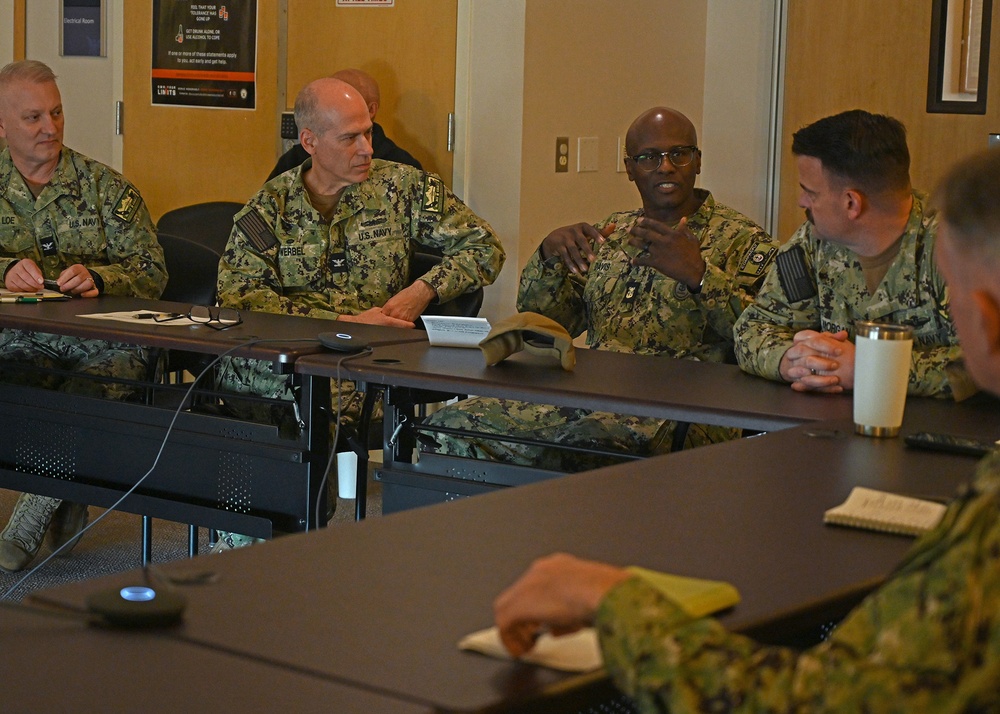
x: 622, y: 383
x: 382, y: 603
x: 61, y: 664
x: 287, y: 336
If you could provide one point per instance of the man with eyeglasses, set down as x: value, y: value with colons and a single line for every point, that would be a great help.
x: 667, y: 279
x: 928, y: 640
x: 74, y: 221
x: 865, y: 252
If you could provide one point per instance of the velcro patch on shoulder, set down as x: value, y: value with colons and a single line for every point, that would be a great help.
x: 433, y: 192
x: 757, y: 259
x: 128, y: 204
x: 794, y: 275
x: 256, y: 230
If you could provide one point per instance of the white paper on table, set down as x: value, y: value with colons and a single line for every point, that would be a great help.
x: 446, y: 331
x: 132, y: 316
x: 577, y: 652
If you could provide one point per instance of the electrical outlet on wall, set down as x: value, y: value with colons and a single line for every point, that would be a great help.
x: 562, y: 154
x: 620, y: 156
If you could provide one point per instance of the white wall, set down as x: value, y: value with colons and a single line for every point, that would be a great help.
x: 489, y: 89
x: 739, y: 59
x: 546, y: 68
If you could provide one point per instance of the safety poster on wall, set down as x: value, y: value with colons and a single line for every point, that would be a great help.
x: 205, y: 54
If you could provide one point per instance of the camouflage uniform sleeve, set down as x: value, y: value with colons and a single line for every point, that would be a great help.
x: 249, y: 278
x: 928, y: 640
x: 764, y: 332
x: 733, y: 277
x: 937, y: 369
x: 549, y: 288
x: 473, y: 255
x: 135, y: 258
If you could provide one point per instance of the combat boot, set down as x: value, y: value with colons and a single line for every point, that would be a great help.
x: 67, y: 522
x: 21, y: 539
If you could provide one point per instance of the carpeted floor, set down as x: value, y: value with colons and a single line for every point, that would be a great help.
x: 115, y: 545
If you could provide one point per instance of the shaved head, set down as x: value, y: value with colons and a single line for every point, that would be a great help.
x: 655, y: 120
x: 323, y: 101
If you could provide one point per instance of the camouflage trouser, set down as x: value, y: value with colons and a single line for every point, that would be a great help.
x: 85, y: 357
x: 248, y: 376
x: 639, y: 436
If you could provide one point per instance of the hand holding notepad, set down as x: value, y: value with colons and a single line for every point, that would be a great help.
x: 580, y: 651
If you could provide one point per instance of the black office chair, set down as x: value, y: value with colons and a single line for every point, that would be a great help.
x: 193, y: 269
x: 465, y: 305
x: 207, y: 223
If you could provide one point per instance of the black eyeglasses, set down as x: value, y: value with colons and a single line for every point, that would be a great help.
x: 226, y: 316
x: 679, y: 156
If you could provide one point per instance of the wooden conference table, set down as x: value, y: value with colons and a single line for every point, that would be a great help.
x: 380, y: 605
x: 650, y: 386
x: 219, y: 471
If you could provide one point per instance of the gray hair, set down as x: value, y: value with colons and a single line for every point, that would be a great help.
x: 306, y: 111
x: 967, y: 201
x: 26, y: 71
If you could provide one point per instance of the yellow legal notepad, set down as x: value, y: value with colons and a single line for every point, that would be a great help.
x: 881, y: 511
x: 697, y: 597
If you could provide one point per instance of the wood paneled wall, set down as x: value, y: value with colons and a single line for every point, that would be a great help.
x: 183, y: 155
x: 873, y: 55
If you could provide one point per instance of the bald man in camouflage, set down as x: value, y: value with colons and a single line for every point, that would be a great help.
x: 333, y: 238
x: 668, y: 279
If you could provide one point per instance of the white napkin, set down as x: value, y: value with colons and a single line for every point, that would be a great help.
x: 578, y: 652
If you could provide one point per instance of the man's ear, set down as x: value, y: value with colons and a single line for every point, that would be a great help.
x: 308, y: 140
x: 854, y: 203
x: 988, y: 310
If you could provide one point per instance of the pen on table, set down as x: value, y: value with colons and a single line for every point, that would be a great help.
x: 154, y: 315
x: 20, y: 298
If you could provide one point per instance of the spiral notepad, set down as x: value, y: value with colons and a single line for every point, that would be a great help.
x: 881, y: 511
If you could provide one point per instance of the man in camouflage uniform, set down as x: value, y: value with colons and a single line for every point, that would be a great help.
x: 865, y: 253
x: 333, y: 238
x: 667, y: 279
x: 927, y: 641
x: 71, y: 219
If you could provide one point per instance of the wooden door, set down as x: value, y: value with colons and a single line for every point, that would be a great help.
x: 410, y: 51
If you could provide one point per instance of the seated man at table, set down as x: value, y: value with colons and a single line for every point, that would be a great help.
x: 333, y: 238
x: 383, y: 147
x: 927, y: 641
x: 70, y: 219
x: 667, y: 279
x: 865, y: 252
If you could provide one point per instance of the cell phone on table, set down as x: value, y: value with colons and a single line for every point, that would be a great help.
x: 950, y: 443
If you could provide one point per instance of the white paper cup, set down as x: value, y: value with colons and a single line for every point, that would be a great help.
x: 881, y: 374
x: 347, y: 474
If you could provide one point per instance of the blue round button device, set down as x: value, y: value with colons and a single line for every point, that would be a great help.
x: 137, y: 593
